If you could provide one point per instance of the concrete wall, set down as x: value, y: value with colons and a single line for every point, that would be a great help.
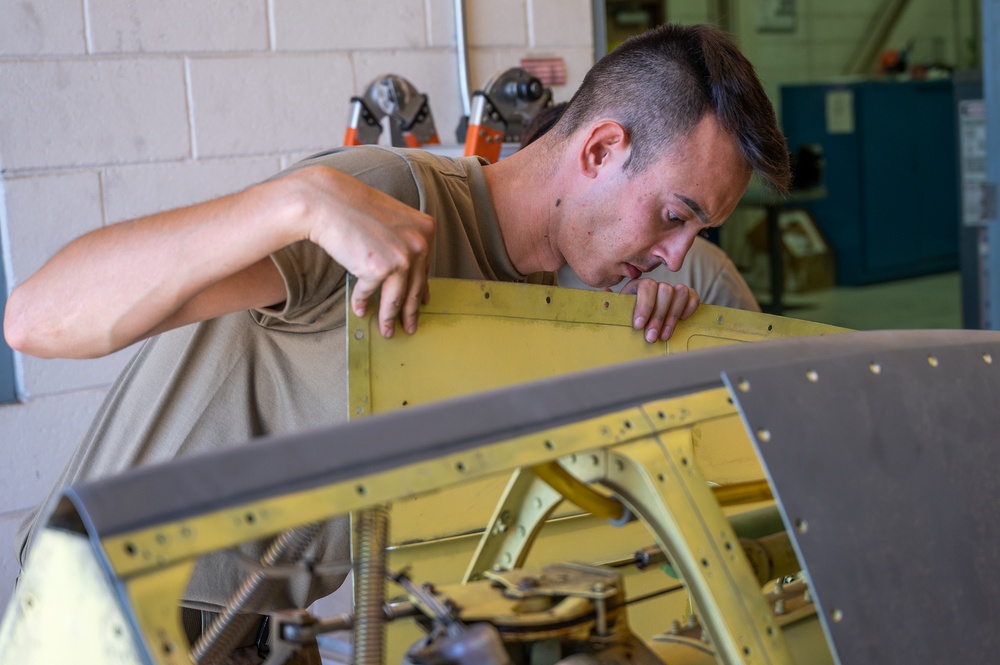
x: 112, y: 109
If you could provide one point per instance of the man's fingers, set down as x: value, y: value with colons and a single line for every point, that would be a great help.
x: 663, y: 296
x: 363, y: 290
x: 684, y: 303
x: 645, y: 302
x: 391, y: 303
x: 416, y: 294
x: 694, y: 300
x: 660, y: 306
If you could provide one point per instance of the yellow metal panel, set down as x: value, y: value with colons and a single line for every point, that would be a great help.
x: 64, y: 610
x: 475, y: 336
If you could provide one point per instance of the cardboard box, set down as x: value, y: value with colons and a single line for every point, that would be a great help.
x: 807, y: 257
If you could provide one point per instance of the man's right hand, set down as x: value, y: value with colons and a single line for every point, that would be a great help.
x: 381, y: 241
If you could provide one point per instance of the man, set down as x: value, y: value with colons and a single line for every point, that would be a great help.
x: 657, y: 145
x: 707, y: 269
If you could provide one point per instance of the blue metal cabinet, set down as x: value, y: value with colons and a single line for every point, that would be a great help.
x: 890, y: 174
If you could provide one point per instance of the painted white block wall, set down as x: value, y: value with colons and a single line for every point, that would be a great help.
x: 112, y: 109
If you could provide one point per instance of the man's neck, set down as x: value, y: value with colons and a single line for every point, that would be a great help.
x: 522, y: 188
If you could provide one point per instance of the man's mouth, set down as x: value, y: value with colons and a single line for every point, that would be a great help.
x: 633, y: 272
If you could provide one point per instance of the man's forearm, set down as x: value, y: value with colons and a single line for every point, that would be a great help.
x: 124, y: 282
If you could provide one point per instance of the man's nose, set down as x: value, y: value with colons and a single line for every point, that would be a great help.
x: 674, y: 248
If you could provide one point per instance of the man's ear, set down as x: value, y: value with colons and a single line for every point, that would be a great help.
x: 606, y: 144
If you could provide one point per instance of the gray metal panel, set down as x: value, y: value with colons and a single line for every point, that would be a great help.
x: 268, y: 467
x: 887, y: 462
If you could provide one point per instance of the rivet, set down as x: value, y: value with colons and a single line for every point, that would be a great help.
x: 812, y: 375
x: 988, y: 359
x: 875, y: 368
x: 764, y: 435
x: 932, y: 361
x: 744, y: 385
x: 359, y: 334
x: 836, y: 615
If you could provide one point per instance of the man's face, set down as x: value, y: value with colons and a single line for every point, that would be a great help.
x: 624, y: 226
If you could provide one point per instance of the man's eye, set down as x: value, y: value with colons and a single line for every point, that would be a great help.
x: 671, y: 217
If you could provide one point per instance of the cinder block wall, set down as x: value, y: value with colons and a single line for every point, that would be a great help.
x: 111, y: 109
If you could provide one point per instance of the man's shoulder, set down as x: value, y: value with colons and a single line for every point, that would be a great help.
x: 372, y: 156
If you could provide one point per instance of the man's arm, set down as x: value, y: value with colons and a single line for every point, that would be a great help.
x: 129, y: 281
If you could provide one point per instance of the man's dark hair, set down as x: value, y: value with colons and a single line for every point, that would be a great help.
x: 661, y: 83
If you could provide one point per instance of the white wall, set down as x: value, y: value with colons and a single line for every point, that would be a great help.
x: 111, y: 109
x: 827, y: 37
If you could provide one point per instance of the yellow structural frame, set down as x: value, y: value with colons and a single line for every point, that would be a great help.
x: 479, y: 335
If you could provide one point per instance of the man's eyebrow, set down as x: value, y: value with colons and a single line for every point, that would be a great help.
x: 690, y: 203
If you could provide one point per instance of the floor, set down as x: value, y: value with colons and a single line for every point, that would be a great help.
x: 932, y: 301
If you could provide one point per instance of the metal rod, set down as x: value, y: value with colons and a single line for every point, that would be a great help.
x: 578, y: 492
x: 462, y: 54
x: 371, y: 533
x: 235, y: 619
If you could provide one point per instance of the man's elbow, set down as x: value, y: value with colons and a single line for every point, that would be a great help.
x: 20, y: 329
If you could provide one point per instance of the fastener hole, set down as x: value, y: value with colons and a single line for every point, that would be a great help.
x: 460, y: 466
x: 684, y: 461
x: 550, y: 445
x: 406, y: 402
x: 361, y: 490
x: 661, y: 415
x: 719, y: 320
x: 704, y: 562
x: 606, y: 304
x: 250, y: 518
x: 131, y: 549
x: 548, y: 300
x: 746, y: 651
x: 770, y: 328
x: 628, y: 424
x: 661, y: 477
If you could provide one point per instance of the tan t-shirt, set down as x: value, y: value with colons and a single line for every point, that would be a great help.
x: 217, y: 384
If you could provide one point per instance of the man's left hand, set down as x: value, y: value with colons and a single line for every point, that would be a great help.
x: 659, y: 306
